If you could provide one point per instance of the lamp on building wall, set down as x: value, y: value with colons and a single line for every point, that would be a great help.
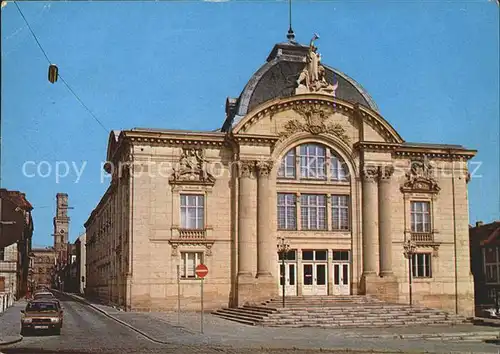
x: 409, y: 250
x: 283, y: 247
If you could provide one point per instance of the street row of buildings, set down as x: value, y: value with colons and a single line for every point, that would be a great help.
x: 25, y: 267
x: 303, y: 159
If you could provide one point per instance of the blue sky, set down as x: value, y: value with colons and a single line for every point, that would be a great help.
x: 432, y: 68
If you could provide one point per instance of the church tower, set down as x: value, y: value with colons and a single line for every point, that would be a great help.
x: 61, y: 228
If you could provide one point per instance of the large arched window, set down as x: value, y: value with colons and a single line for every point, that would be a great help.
x: 314, y: 162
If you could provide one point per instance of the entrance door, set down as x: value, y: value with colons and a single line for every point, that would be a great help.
x: 341, y: 278
x: 315, y: 279
x: 290, y: 279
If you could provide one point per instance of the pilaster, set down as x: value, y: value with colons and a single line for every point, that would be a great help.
x: 266, y: 248
x: 247, y: 223
x: 370, y: 219
x: 384, y: 221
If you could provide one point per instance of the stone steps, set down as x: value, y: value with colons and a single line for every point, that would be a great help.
x: 359, y: 313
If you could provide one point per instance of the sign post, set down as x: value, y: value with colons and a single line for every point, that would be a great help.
x: 178, y: 295
x: 201, y: 272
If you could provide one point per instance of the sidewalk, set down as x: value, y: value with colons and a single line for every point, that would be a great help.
x: 163, y: 327
x: 10, y: 323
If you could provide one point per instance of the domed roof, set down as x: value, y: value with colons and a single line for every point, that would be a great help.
x: 277, y: 78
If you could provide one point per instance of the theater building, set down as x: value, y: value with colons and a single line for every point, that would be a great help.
x: 302, y: 154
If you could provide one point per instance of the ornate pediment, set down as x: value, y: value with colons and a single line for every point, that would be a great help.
x: 192, y: 169
x: 420, y: 178
x: 315, y: 117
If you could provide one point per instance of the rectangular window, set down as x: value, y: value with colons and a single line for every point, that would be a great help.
x: 189, y: 262
x: 338, y: 169
x: 420, y: 217
x: 308, y: 255
x: 192, y: 211
x: 340, y: 255
x: 312, y: 161
x: 491, y: 264
x: 490, y: 255
x: 421, y: 264
x: 313, y: 211
x: 287, y: 166
x: 290, y: 255
x: 287, y: 211
x: 2, y: 254
x: 340, y: 212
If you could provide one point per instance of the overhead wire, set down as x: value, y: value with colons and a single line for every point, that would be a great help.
x: 62, y: 79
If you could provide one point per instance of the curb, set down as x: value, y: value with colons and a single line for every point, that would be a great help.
x: 15, y: 339
x: 478, y: 336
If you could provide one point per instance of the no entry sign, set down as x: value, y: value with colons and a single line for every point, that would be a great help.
x: 201, y: 271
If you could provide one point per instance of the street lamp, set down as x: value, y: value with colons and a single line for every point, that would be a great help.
x: 409, y: 250
x: 283, y: 247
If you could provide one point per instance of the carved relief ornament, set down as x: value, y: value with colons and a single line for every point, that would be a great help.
x: 315, y: 116
x: 385, y: 173
x: 370, y: 173
x: 246, y: 168
x: 192, y: 169
x: 264, y: 167
x: 420, y: 178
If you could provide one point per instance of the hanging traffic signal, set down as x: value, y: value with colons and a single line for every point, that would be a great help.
x: 53, y: 70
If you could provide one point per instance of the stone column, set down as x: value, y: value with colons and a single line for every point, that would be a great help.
x: 246, y: 220
x: 370, y: 220
x: 266, y: 243
x: 384, y: 220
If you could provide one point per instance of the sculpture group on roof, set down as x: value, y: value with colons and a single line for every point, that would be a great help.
x: 313, y: 77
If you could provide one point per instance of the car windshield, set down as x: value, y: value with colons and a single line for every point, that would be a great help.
x: 41, y: 307
x: 46, y: 295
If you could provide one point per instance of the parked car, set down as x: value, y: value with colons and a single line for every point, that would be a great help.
x: 44, y: 295
x: 41, y: 315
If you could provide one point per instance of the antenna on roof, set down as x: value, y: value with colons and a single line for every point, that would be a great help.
x: 290, y: 35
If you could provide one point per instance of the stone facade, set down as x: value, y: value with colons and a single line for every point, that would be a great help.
x: 43, y: 262
x: 61, y: 228
x: 80, y: 245
x: 484, y: 241
x: 16, y: 231
x: 325, y: 171
x: 8, y: 269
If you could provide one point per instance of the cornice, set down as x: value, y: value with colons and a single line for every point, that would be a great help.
x: 254, y: 139
x: 376, y: 120
x: 173, y: 138
x: 402, y: 151
x: 376, y: 146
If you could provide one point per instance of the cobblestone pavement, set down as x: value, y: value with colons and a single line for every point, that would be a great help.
x: 10, y: 320
x: 88, y: 331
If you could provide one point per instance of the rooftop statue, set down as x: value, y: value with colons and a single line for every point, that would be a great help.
x: 312, y: 77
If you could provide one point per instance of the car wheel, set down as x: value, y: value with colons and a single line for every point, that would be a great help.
x: 58, y: 331
x: 23, y: 332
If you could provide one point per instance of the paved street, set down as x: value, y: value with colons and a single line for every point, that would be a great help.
x: 89, y: 331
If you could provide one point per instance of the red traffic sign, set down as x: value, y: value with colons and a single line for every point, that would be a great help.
x: 201, y: 271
